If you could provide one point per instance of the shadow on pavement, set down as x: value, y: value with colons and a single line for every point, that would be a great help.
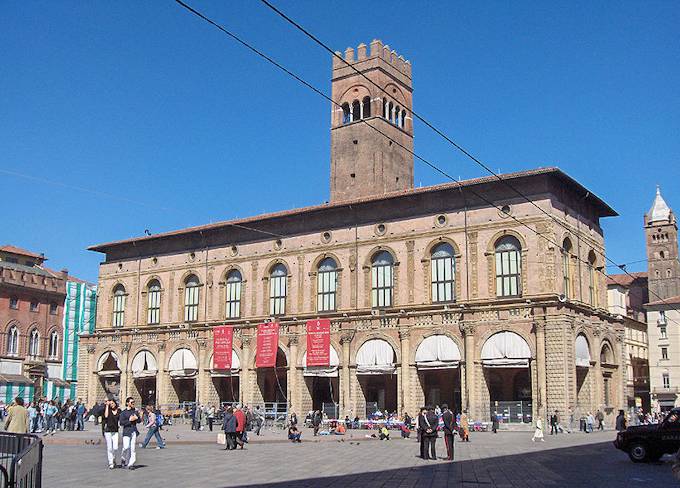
x: 593, y: 466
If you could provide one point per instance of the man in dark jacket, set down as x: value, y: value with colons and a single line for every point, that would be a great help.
x: 128, y: 420
x: 316, y: 422
x: 428, y: 422
x: 449, y: 431
x: 229, y: 428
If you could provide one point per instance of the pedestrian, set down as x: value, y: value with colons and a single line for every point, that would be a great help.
x: 80, y: 415
x: 600, y: 420
x: 494, y: 423
x: 449, y: 431
x: 316, y: 422
x: 31, y: 417
x: 419, y: 432
x: 538, y: 432
x: 428, y: 422
x: 17, y: 417
x: 129, y: 419
x: 554, y: 422
x: 590, y: 421
x: 110, y: 426
x: 229, y: 428
x: 211, y: 417
x: 152, y: 425
x: 621, y: 423
x: 464, y: 430
x: 240, y: 426
x: 50, y: 413
x: 293, y: 419
x: 259, y: 420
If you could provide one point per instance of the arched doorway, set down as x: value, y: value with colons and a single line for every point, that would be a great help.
x: 505, y: 360
x: 323, y: 385
x: 582, y: 355
x: 227, y: 382
x: 376, y: 373
x: 144, y: 371
x: 273, y: 386
x: 183, y: 369
x: 437, y: 361
x: 108, y: 370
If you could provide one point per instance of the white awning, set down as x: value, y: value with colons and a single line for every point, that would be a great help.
x: 327, y: 371
x: 437, y: 352
x: 582, y: 352
x: 183, y: 364
x: 144, y: 365
x: 235, y: 366
x: 108, y: 365
x: 505, y: 350
x: 375, y: 357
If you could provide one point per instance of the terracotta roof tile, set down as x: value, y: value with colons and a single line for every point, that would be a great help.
x: 666, y: 301
x: 625, y: 279
x: 22, y: 252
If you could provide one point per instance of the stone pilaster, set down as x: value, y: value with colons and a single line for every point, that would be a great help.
x: 345, y: 380
x: 540, y: 395
x: 161, y: 377
x: 405, y: 400
x: 470, y: 393
x: 293, y: 389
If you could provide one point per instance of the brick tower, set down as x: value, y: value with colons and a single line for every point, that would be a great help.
x: 363, y: 161
x: 661, y: 230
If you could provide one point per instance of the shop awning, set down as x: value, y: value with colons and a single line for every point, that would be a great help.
x: 183, y: 364
x: 144, y: 365
x: 505, y: 350
x: 15, y: 379
x: 324, y: 371
x: 437, y: 352
x: 376, y: 356
x: 582, y: 352
x: 235, y: 367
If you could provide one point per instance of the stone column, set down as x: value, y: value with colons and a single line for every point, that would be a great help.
x: 405, y: 391
x: 470, y: 393
x: 244, y: 394
x: 92, y: 377
x: 161, y: 377
x: 597, y: 380
x: 201, y: 387
x: 293, y: 397
x: 541, y: 395
x: 125, y: 376
x: 345, y: 380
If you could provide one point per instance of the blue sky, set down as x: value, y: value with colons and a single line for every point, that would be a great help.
x: 116, y: 117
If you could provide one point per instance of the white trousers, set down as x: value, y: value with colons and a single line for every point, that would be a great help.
x: 111, y: 446
x: 129, y: 454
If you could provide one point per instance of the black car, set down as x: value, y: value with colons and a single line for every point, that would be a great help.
x: 645, y: 443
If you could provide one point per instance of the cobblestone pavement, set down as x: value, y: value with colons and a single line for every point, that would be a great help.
x: 505, y: 460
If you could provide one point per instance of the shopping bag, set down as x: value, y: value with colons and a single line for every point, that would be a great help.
x: 221, y: 438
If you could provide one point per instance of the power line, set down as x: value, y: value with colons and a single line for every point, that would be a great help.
x: 439, y: 132
x: 417, y: 156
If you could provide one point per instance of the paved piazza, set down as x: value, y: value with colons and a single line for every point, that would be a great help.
x: 508, y: 459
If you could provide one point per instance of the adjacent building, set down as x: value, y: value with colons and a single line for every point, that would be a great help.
x: 461, y: 293
x: 31, y: 315
x: 663, y: 309
x: 627, y: 295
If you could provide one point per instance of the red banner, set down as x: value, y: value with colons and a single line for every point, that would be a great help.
x: 267, y: 344
x: 223, y: 339
x: 319, y: 342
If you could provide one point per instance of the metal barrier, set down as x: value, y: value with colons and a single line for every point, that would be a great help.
x: 20, y: 460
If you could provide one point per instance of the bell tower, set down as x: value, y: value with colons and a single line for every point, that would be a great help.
x: 661, y: 230
x: 364, y: 162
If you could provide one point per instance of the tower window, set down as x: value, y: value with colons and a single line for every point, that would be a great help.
x: 346, y: 116
x: 403, y: 117
x: 385, y: 108
x: 390, y: 112
x: 397, y: 117
x: 356, y: 110
x: 366, y: 106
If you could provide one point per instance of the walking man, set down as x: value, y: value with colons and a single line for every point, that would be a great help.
x: 449, y: 429
x: 80, y: 414
x: 128, y: 419
x: 554, y: 422
x: 316, y: 422
x: 17, y: 417
x: 152, y: 425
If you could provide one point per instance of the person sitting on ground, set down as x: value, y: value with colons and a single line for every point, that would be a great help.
x: 384, y: 433
x: 405, y: 431
x: 293, y: 434
x: 348, y: 422
x: 340, y: 429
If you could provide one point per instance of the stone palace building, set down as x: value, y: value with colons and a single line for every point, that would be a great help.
x: 434, y: 294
